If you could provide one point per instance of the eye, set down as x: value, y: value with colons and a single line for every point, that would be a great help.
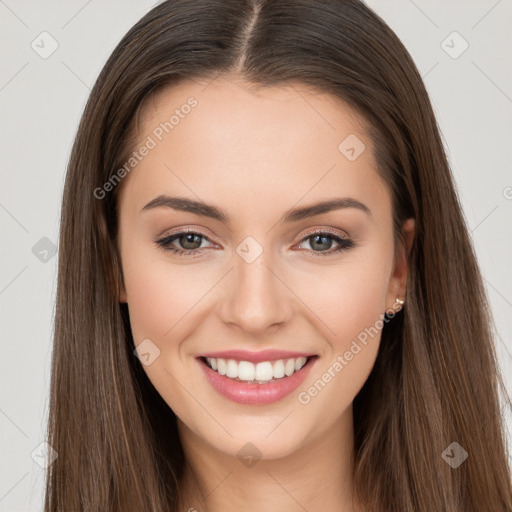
x: 190, y: 242
x: 323, y: 241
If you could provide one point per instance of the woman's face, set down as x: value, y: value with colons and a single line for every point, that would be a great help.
x: 256, y: 277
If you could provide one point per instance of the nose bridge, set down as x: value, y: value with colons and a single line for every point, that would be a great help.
x: 256, y: 298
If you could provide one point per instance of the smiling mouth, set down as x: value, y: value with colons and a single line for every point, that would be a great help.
x: 264, y: 372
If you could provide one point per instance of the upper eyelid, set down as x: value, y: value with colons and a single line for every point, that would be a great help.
x: 328, y: 231
x: 185, y: 232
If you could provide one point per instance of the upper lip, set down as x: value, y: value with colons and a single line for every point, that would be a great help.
x: 256, y: 356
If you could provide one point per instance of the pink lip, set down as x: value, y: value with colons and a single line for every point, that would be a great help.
x: 255, y: 394
x: 256, y: 357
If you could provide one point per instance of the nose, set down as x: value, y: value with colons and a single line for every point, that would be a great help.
x: 256, y: 299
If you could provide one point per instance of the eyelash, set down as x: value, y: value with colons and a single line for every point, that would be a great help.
x: 164, y: 243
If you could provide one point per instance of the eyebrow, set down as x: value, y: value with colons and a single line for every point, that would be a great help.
x: 206, y: 210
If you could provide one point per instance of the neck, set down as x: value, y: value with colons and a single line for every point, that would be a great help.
x: 315, y: 477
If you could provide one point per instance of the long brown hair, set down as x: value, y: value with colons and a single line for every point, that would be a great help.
x: 435, y: 380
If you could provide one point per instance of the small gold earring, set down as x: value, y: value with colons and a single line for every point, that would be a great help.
x: 400, y: 302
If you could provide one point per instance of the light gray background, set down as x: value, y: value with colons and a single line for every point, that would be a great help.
x: 41, y: 101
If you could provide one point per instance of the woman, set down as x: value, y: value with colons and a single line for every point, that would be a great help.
x: 267, y: 295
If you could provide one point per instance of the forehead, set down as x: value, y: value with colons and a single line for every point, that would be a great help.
x: 251, y: 147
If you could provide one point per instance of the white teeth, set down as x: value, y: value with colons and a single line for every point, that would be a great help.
x: 264, y: 371
x: 245, y: 370
x: 300, y: 362
x: 232, y: 370
x: 279, y: 369
x: 221, y: 366
x: 260, y: 372
x: 289, y: 367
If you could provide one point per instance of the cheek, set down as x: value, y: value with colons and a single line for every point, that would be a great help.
x: 150, y: 300
x: 364, y: 299
x: 349, y: 297
x: 160, y: 294
x: 349, y: 301
x: 353, y: 310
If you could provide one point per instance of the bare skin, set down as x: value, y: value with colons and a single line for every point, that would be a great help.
x: 256, y: 155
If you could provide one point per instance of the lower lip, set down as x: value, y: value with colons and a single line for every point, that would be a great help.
x: 256, y: 394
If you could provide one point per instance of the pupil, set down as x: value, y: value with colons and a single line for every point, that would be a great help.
x: 326, y: 240
x: 189, y: 239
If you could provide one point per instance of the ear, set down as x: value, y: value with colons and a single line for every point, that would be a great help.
x: 398, y: 281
